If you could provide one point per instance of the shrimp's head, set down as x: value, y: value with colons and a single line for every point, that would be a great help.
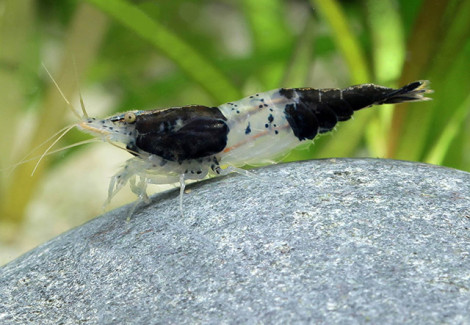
x: 116, y: 128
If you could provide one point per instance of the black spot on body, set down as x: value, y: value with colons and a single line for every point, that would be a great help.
x: 248, y: 129
x: 270, y: 118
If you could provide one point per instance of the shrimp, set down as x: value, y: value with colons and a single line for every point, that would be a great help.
x: 192, y: 142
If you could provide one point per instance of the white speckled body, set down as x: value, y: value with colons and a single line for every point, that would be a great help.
x: 259, y: 131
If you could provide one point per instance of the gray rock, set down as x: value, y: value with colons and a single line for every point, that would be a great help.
x: 325, y: 241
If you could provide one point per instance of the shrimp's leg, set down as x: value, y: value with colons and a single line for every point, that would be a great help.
x: 182, y: 187
x: 132, y: 210
x: 140, y: 189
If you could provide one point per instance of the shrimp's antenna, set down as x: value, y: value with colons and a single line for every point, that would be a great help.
x: 73, y: 145
x: 25, y: 160
x: 44, y: 142
x: 82, y: 104
x: 67, y: 129
x: 62, y: 94
x: 85, y: 114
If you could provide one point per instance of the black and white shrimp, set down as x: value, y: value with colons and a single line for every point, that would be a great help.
x: 191, y: 142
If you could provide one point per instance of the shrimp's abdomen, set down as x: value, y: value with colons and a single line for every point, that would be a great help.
x: 265, y: 125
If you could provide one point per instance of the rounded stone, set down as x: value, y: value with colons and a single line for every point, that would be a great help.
x: 323, y: 241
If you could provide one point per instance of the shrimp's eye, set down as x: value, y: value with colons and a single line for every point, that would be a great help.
x: 129, y: 117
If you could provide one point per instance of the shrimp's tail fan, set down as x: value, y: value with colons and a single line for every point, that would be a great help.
x: 412, y: 92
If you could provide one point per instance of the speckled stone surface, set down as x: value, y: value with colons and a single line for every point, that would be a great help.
x: 327, y: 241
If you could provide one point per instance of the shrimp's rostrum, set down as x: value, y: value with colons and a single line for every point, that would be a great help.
x: 190, y: 142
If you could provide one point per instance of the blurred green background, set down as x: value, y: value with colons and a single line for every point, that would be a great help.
x: 142, y: 54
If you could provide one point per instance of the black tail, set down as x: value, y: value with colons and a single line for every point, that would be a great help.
x: 365, y: 95
x: 318, y: 110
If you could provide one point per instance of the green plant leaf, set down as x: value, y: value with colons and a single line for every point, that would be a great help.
x: 186, y: 57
